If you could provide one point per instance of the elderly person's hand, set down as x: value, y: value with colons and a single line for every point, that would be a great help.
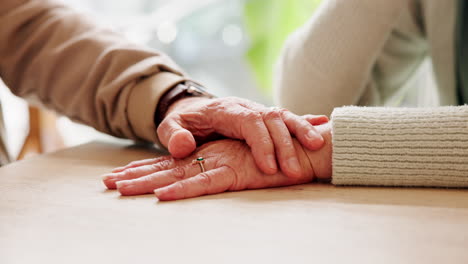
x: 266, y: 130
x: 228, y: 165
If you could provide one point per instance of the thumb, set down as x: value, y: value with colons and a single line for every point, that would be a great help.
x: 181, y: 143
x: 178, y: 140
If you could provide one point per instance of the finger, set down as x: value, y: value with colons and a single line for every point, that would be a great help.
x: 284, y: 147
x: 138, y: 163
x: 243, y: 123
x: 316, y: 120
x: 303, y: 130
x: 178, y: 140
x: 147, y: 184
x: 210, y: 182
x: 297, y: 126
x: 237, y: 121
x: 257, y: 136
x: 110, y: 179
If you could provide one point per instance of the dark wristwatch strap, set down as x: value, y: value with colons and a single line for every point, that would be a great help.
x: 182, y: 90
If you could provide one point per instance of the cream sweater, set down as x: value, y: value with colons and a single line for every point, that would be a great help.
x: 366, y: 52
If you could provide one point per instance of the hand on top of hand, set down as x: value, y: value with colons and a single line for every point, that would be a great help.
x: 266, y: 130
x: 229, y: 166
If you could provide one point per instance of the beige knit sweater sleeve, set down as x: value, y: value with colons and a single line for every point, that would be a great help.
x: 52, y: 54
x: 400, y: 146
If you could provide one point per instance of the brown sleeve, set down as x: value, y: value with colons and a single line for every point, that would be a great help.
x: 53, y: 54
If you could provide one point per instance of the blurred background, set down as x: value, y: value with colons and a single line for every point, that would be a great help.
x: 228, y: 45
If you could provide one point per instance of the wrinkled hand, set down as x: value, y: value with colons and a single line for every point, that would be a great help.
x: 266, y: 130
x: 229, y: 166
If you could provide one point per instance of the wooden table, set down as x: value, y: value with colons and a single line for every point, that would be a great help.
x: 54, y: 209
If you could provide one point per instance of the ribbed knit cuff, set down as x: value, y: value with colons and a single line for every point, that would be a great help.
x: 400, y: 146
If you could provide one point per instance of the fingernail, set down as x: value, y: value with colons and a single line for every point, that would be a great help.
x: 122, y: 184
x: 271, y: 162
x: 106, y: 177
x: 293, y: 165
x: 118, y: 169
x: 157, y: 192
x: 312, y: 135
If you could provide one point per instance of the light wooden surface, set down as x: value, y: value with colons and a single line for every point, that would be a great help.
x: 54, y: 209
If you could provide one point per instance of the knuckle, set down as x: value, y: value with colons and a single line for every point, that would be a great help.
x: 178, y: 173
x: 282, y: 110
x: 162, y: 165
x: 145, y: 180
x: 286, y: 142
x: 271, y: 114
x: 252, y: 116
x: 215, y: 108
x: 166, y: 163
x: 156, y: 166
x: 204, y: 109
x: 286, y: 114
x: 159, y: 159
x: 235, y: 182
x: 131, y: 172
x: 181, y: 187
x: 215, y: 103
x: 263, y: 142
x: 249, y: 120
x: 204, y: 179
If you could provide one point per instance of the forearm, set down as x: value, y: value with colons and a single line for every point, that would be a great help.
x: 79, y: 69
x: 400, y: 146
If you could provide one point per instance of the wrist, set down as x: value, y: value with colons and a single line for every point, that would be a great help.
x: 180, y: 104
x: 175, y: 94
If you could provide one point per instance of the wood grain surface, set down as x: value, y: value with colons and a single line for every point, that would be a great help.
x: 54, y: 209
